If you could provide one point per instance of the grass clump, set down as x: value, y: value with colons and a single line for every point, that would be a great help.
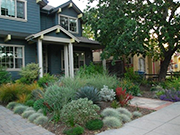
x: 26, y: 114
x: 74, y: 131
x: 124, y: 111
x: 94, y: 124
x: 19, y: 109
x: 41, y: 120
x: 112, y: 122
x: 33, y: 116
x: 125, y: 118
x: 110, y: 112
x: 137, y: 114
x: 11, y: 105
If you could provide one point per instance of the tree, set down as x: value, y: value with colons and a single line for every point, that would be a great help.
x: 148, y: 27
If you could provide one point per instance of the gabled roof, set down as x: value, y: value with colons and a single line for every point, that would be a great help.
x: 42, y: 3
x: 52, y: 9
x: 33, y: 36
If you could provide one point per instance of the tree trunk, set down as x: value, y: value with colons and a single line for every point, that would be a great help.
x: 164, y: 66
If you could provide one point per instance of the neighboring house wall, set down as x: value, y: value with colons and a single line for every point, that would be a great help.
x: 31, y: 25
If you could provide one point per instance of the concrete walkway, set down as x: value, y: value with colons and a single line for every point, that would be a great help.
x: 13, y: 124
x: 165, y: 121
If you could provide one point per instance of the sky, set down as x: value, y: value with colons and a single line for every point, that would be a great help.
x: 81, y: 4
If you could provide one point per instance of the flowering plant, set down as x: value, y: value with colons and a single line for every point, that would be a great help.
x: 170, y: 95
x: 122, y: 96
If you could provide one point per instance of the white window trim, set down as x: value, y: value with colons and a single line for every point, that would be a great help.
x: 68, y: 22
x: 62, y: 56
x: 15, y: 18
x: 23, y: 56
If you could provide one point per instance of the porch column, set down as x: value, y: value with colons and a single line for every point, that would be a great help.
x: 71, y: 60
x: 40, y: 57
x: 66, y: 61
x: 104, y: 64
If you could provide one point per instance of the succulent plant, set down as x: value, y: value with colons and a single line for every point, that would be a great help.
x: 89, y: 92
x: 107, y: 94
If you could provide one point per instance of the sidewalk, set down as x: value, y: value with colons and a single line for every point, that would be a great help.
x: 165, y: 121
x: 13, y: 124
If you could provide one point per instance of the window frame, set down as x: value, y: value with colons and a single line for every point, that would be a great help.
x: 69, y: 17
x: 14, y: 57
x: 62, y: 59
x: 16, y: 18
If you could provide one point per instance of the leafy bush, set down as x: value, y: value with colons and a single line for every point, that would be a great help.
x: 137, y: 114
x: 30, y: 73
x: 5, y: 76
x: 19, y: 109
x: 41, y: 120
x: 156, y: 88
x: 175, y: 83
x: 79, y: 111
x: 131, y: 75
x: 122, y: 96
x: 130, y: 87
x: 94, y: 124
x: 56, y: 97
x: 27, y: 113
x: 107, y: 94
x: 74, y: 131
x: 90, y: 93
x: 110, y: 112
x: 33, y: 116
x: 38, y: 104
x: 11, y: 105
x: 29, y: 103
x: 112, y: 122
x: 124, y: 111
x: 170, y: 95
x: 16, y: 91
x: 90, y: 70
x: 46, y: 80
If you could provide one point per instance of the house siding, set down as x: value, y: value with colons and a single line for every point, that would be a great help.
x: 32, y: 25
x: 47, y: 21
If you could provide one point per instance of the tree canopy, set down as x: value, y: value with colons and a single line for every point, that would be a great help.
x: 148, y: 27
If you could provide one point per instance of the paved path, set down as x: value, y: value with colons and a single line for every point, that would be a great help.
x: 13, y: 124
x: 152, y: 104
x: 165, y: 121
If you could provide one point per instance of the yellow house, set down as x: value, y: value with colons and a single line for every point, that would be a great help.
x: 175, y: 62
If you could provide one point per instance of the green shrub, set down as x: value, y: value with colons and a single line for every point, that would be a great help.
x: 137, y: 114
x: 56, y: 97
x: 90, y: 93
x: 74, y: 131
x: 124, y: 111
x: 46, y: 80
x: 94, y: 124
x: 107, y: 94
x: 112, y: 122
x: 11, y: 105
x: 30, y: 73
x: 19, y: 109
x: 133, y: 76
x: 33, y: 116
x: 110, y: 112
x: 79, y: 112
x: 38, y: 104
x: 130, y: 87
x: 41, y: 120
x: 5, y: 76
x: 27, y: 113
x: 29, y: 103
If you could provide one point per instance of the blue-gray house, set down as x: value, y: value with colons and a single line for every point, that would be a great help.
x: 32, y: 31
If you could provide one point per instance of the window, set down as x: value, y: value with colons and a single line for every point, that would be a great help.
x: 68, y: 23
x: 11, y: 56
x: 79, y: 59
x: 13, y: 9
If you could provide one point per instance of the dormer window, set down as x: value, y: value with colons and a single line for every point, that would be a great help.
x: 69, y: 23
x: 13, y: 9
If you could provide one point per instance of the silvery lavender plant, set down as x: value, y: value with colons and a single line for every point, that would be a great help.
x: 171, y: 95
